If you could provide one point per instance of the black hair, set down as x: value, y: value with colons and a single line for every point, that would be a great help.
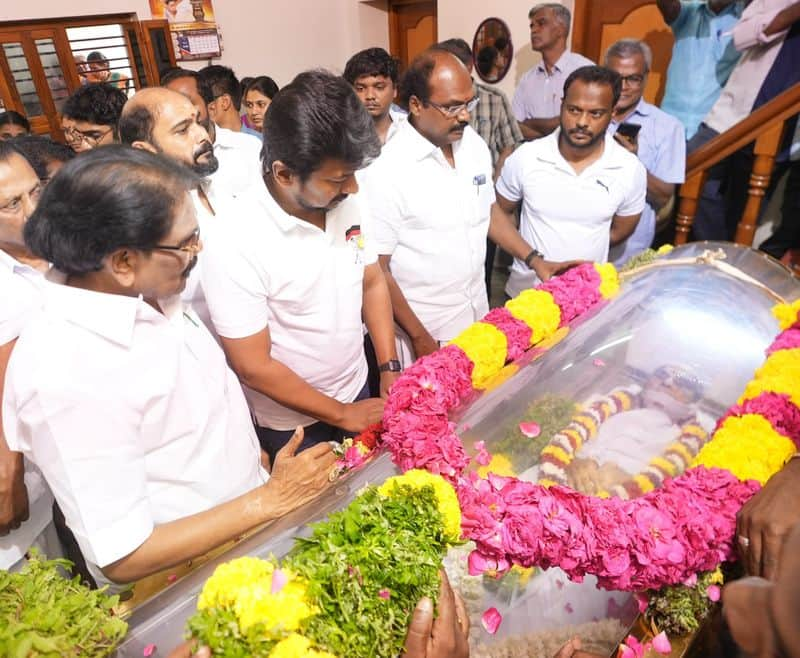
x: 372, y: 61
x: 7, y: 150
x: 176, y: 73
x: 459, y: 48
x: 96, y: 57
x: 221, y: 80
x: 416, y: 81
x: 14, y: 118
x: 98, y: 103
x: 597, y: 75
x: 107, y: 199
x: 40, y: 151
x: 264, y: 85
x: 501, y: 43
x: 315, y: 117
x: 137, y: 125
x: 485, y: 59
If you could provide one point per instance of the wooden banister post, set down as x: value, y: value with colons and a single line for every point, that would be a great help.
x: 689, y: 194
x: 765, y: 149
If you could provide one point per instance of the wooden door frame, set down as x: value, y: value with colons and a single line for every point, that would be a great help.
x: 394, y: 22
x: 587, y: 41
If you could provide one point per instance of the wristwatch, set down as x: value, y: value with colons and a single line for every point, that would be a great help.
x: 390, y: 366
x: 534, y: 253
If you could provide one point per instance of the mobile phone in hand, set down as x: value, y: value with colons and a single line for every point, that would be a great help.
x: 629, y: 130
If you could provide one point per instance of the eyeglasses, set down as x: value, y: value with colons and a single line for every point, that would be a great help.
x: 191, y: 245
x: 452, y: 111
x: 92, y: 137
x: 635, y: 80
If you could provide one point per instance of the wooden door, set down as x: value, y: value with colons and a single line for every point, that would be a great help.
x: 412, y: 28
x: 599, y: 23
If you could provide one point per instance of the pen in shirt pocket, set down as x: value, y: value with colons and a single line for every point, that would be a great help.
x: 477, y: 181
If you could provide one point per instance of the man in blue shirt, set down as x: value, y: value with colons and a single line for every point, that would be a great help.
x: 659, y: 143
x: 702, y: 58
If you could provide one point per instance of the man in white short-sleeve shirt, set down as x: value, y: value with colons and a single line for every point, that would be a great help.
x: 25, y: 501
x: 579, y: 190
x: 430, y: 195
x: 170, y: 123
x: 288, y: 283
x: 120, y: 395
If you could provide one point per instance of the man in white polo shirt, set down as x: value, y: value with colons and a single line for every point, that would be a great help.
x: 25, y: 501
x: 579, y: 190
x: 120, y: 395
x: 290, y: 280
x: 430, y: 194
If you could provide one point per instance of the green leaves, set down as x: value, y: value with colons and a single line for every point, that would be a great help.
x: 43, y: 614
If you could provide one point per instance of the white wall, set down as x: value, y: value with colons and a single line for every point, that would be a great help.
x: 460, y: 18
x: 271, y: 37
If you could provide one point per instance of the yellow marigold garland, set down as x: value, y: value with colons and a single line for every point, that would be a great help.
x: 499, y: 465
x: 748, y: 447
x: 779, y: 374
x: 538, y: 310
x: 786, y: 314
x: 487, y: 347
x: 445, y: 495
x: 609, y: 279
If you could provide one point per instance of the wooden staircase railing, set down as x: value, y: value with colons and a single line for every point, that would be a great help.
x: 765, y: 126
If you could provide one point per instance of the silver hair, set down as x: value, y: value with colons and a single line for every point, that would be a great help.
x: 560, y: 13
x: 625, y: 48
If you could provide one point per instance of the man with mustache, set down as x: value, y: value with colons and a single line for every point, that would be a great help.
x: 165, y: 122
x: 430, y: 194
x: 293, y: 274
x: 118, y: 392
x: 238, y: 153
x: 579, y: 190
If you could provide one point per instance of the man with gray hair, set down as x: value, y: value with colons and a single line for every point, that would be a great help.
x: 655, y: 137
x: 537, y: 100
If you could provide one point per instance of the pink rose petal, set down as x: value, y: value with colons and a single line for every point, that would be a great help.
x: 625, y: 652
x: 713, y: 592
x: 598, y: 363
x: 531, y: 430
x: 641, y: 601
x: 491, y: 620
x: 172, y: 578
x: 661, y: 644
x: 385, y: 594
x: 279, y: 580
x: 569, y: 609
x: 149, y: 650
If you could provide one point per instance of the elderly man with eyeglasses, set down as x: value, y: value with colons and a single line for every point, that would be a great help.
x: 90, y: 115
x: 430, y: 193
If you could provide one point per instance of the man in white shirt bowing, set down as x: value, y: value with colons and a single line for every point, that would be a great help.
x: 294, y: 273
x: 120, y: 395
x: 430, y: 195
x: 579, y: 190
x: 25, y: 501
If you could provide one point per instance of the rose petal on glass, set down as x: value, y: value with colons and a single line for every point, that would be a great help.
x: 661, y: 644
x: 172, y: 578
x: 569, y: 609
x: 641, y: 601
x: 559, y: 584
x: 713, y: 592
x: 531, y: 430
x: 625, y: 652
x: 279, y: 580
x: 149, y: 650
x: 491, y: 620
x: 385, y: 594
x: 598, y: 363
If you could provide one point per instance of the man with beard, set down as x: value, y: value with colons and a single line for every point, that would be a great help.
x: 120, y: 395
x: 293, y: 274
x: 165, y: 122
x: 238, y: 154
x: 579, y: 190
x: 431, y: 193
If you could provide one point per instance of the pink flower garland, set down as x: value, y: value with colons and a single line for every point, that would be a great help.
x: 516, y: 331
x: 575, y: 291
x: 788, y: 339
